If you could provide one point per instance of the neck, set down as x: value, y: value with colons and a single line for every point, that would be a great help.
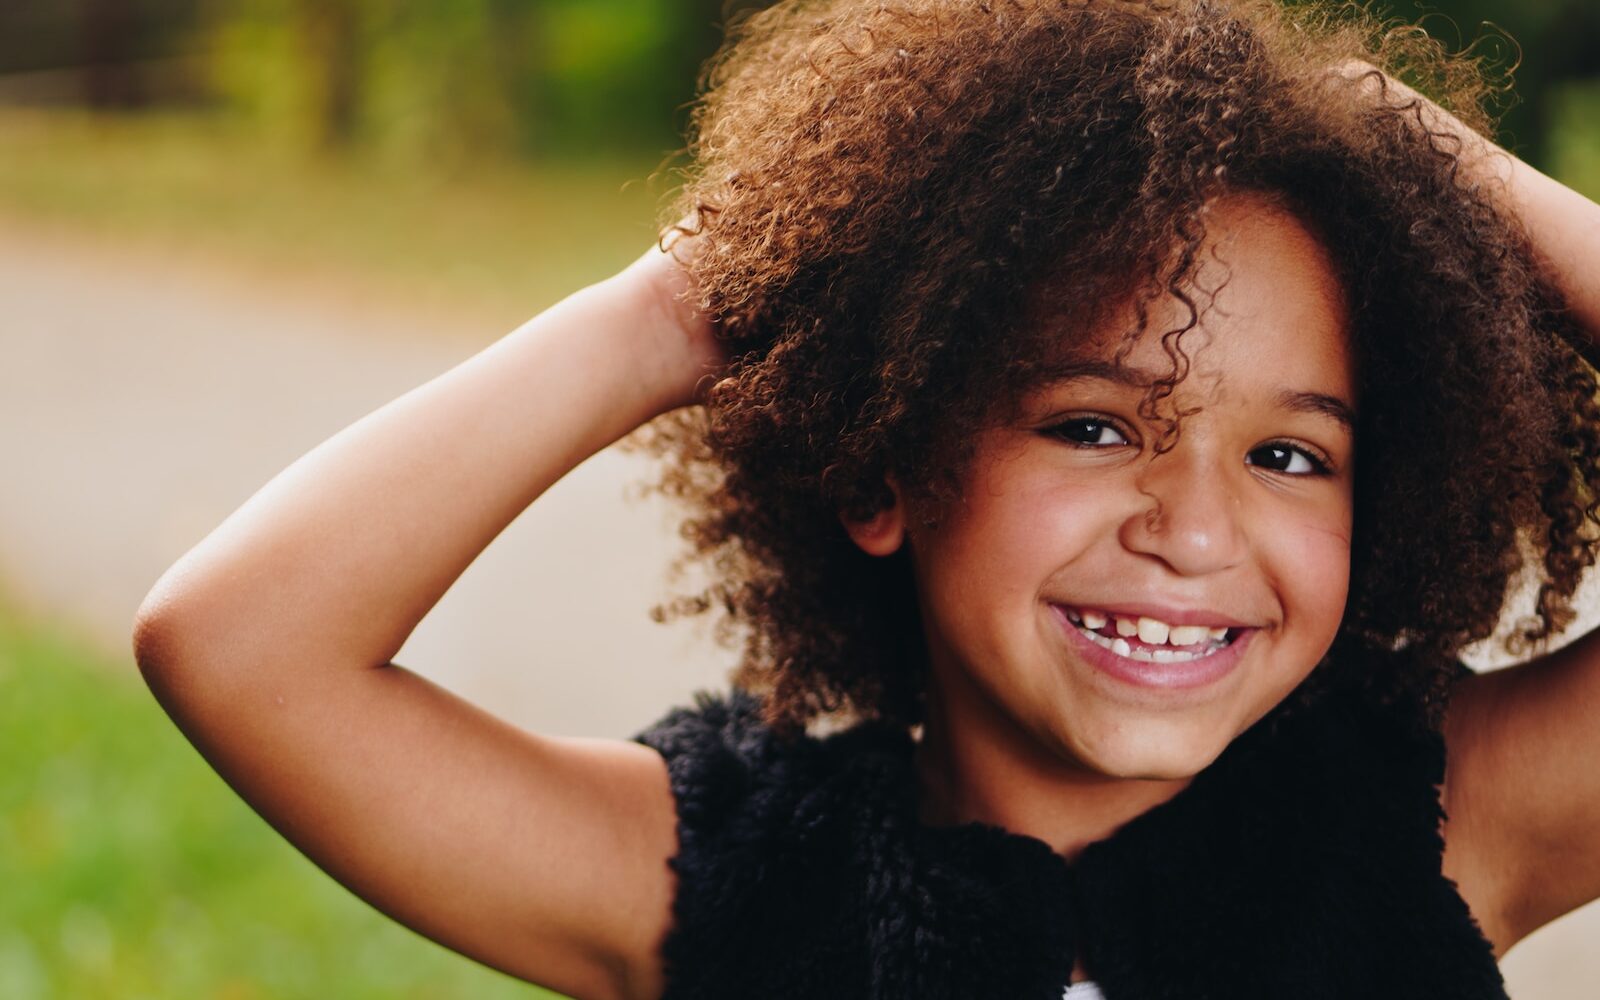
x: 974, y: 764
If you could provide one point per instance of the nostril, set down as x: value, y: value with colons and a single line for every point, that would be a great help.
x: 1152, y: 518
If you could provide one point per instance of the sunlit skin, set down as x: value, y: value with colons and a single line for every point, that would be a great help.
x: 1069, y: 506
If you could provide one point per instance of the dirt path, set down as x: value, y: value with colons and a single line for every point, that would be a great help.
x: 144, y: 397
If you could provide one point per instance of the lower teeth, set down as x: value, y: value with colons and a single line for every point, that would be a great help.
x: 1121, y: 647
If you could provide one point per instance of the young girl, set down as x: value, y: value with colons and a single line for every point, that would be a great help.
x: 1111, y: 420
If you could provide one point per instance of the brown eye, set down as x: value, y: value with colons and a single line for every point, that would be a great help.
x: 1282, y: 457
x: 1088, y: 432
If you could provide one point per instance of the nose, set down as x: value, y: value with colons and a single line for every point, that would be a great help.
x: 1189, y: 516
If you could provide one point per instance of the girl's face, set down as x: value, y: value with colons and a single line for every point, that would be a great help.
x: 1069, y: 520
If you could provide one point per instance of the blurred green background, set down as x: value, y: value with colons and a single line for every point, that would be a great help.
x: 132, y: 872
x: 337, y: 133
x: 486, y: 156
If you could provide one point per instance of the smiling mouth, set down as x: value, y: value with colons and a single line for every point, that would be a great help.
x: 1150, y: 640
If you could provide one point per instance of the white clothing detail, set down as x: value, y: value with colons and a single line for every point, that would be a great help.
x: 1085, y: 990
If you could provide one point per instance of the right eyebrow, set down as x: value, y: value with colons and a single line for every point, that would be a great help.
x: 1110, y: 371
x: 1319, y: 402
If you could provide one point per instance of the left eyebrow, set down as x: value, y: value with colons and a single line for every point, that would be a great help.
x: 1318, y: 402
x: 1296, y: 400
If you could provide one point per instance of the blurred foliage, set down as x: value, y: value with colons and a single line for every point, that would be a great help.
x: 499, y: 151
x: 442, y: 79
x: 131, y: 870
x: 434, y: 80
x: 56, y: 34
x: 1534, y: 46
x: 427, y: 79
x: 1575, y: 136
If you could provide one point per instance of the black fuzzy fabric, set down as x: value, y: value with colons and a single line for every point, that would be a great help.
x: 1303, y: 863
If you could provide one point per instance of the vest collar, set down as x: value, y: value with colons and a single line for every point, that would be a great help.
x: 1304, y: 862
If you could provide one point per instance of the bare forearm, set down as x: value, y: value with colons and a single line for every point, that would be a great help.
x: 341, y: 555
x: 1563, y: 225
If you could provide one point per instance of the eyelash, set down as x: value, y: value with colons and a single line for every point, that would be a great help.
x: 1319, y: 465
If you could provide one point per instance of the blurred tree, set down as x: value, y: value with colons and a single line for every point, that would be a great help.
x: 513, y: 37
x: 611, y: 74
x: 442, y: 79
x: 1547, y: 41
x: 446, y: 78
x: 695, y: 36
x: 107, y: 49
x: 330, y: 32
x: 100, y: 53
x: 452, y: 78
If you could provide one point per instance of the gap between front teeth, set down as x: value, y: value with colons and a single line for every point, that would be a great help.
x: 1121, y: 647
x: 1149, y: 630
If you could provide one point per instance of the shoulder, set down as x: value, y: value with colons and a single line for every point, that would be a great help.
x: 716, y: 725
x: 722, y: 758
x: 741, y: 788
x: 723, y: 763
x: 723, y: 768
x: 1470, y: 856
x: 778, y: 839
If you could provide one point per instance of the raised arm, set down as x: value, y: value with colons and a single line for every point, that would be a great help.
x: 269, y: 644
x: 1563, y: 224
x: 1522, y: 789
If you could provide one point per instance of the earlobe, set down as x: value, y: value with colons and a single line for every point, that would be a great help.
x: 883, y: 533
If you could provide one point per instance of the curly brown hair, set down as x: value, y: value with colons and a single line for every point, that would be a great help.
x: 891, y: 196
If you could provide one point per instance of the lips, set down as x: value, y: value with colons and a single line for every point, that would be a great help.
x: 1147, y: 631
x: 1152, y: 666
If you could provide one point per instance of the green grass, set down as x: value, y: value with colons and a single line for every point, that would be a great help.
x: 131, y: 871
x: 500, y: 236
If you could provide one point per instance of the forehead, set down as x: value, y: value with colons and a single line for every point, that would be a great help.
x: 1272, y: 313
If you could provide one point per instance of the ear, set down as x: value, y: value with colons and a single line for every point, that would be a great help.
x: 883, y: 534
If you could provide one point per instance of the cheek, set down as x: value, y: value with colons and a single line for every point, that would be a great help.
x: 984, y: 574
x: 995, y: 556
x: 1013, y: 534
x: 1316, y: 575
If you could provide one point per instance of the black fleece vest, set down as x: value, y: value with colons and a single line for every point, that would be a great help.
x: 1304, y: 863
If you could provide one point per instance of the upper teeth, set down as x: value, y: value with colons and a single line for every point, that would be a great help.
x: 1150, y: 630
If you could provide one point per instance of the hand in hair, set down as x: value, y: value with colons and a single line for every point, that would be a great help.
x: 664, y: 276
x: 1562, y: 225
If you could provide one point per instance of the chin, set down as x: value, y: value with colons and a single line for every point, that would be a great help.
x: 1151, y: 753
x: 1153, y: 769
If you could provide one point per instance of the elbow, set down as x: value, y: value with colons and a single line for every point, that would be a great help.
x: 155, y: 633
x: 163, y: 650
x: 152, y: 652
x: 150, y: 643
